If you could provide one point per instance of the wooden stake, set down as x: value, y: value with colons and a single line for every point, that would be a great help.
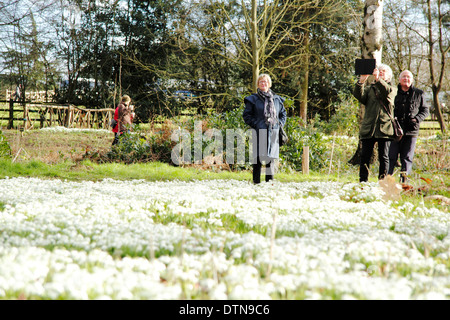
x: 305, y: 162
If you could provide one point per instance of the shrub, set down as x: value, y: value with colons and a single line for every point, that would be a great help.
x: 137, y: 147
x: 300, y: 135
x: 344, y: 121
x: 5, y: 149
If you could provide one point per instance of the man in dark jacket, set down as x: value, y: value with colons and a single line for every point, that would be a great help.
x: 410, y: 110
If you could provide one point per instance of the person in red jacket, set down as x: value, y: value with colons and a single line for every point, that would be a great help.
x: 124, y: 115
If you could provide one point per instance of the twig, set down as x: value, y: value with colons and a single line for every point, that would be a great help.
x: 17, y: 154
x: 272, y: 241
x: 332, y: 151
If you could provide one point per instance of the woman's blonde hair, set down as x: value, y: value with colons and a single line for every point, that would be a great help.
x: 264, y: 75
x: 125, y: 99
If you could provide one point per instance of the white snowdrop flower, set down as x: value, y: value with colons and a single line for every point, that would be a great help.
x: 124, y: 294
x: 240, y: 292
x: 283, y: 283
x: 219, y: 292
x: 103, y: 297
x: 207, y: 284
x: 54, y: 290
x: 215, y: 221
x: 407, y: 207
x: 313, y: 295
x: 352, y: 247
x: 431, y: 296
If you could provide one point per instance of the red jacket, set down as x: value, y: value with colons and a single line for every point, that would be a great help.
x: 123, y: 114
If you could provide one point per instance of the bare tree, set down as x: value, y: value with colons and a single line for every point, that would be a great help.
x: 422, y: 20
x: 437, y: 72
x: 19, y: 34
x: 404, y: 49
x: 262, y: 28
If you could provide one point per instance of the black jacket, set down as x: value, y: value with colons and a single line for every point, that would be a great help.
x: 410, y: 109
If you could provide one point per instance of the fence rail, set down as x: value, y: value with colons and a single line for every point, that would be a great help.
x: 33, y: 115
x: 430, y: 124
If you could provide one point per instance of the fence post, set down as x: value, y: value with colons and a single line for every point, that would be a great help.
x: 42, y: 113
x: 11, y: 114
x: 25, y: 117
x: 88, y: 119
x: 305, y: 162
x: 68, y: 114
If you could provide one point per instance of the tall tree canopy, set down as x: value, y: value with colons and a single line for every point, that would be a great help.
x: 170, y: 55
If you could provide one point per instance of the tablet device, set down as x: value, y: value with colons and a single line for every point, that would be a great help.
x: 364, y: 66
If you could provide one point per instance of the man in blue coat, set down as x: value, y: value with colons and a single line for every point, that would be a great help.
x: 265, y: 113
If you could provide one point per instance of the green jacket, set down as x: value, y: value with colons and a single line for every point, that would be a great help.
x: 376, y: 122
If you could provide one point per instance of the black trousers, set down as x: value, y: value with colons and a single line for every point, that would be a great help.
x: 366, y: 155
x: 116, y: 138
x: 270, y: 167
x: 405, y: 148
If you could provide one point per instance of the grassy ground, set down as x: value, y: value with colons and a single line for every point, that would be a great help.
x: 50, y: 154
x: 39, y: 153
x: 59, y: 154
x: 55, y: 147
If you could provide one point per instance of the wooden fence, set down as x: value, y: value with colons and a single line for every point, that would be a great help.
x: 41, y: 115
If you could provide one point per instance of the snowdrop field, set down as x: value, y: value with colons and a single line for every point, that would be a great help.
x: 220, y: 239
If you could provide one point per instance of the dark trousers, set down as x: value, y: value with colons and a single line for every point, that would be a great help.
x: 270, y: 167
x: 405, y: 148
x: 116, y: 138
x: 366, y: 155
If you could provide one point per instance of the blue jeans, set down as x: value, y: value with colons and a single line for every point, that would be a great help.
x: 405, y: 148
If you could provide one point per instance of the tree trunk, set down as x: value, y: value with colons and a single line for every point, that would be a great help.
x: 437, y: 108
x: 255, y: 45
x: 371, y: 48
x: 371, y: 41
x: 305, y: 81
x: 436, y: 84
